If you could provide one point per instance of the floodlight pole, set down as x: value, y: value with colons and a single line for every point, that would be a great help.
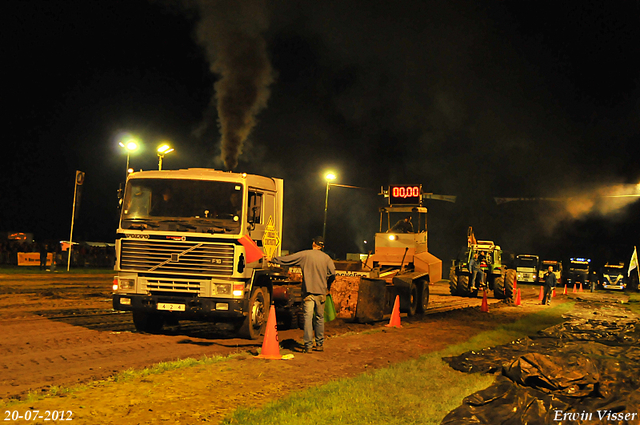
x: 326, y: 205
x: 73, y: 217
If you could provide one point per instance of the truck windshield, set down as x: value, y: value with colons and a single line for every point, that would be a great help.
x: 580, y: 266
x: 193, y: 205
x: 527, y: 262
x: 612, y: 270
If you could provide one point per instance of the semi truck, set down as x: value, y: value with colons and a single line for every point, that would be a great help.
x: 186, y: 245
x: 527, y: 268
x: 578, y: 270
x: 612, y: 276
x: 544, y: 267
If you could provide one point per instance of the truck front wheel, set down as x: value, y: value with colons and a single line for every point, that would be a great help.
x: 148, y: 322
x: 255, y: 322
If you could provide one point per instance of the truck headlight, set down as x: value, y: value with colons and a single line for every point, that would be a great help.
x: 127, y: 283
x: 223, y: 288
x: 123, y: 284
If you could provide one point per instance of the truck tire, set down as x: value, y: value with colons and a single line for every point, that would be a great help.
x: 453, y: 281
x: 509, y: 278
x: 148, y: 322
x: 414, y: 300
x: 423, y: 296
x: 255, y: 322
x: 287, y: 319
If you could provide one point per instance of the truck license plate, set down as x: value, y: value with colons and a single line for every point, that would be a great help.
x: 171, y: 307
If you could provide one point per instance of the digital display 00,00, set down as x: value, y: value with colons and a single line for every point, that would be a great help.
x: 405, y: 194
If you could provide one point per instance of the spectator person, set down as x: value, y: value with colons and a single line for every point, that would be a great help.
x: 403, y: 226
x: 43, y: 250
x: 550, y: 282
x: 318, y: 272
x: 476, y: 271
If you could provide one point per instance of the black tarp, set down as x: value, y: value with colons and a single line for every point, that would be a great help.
x: 582, y: 371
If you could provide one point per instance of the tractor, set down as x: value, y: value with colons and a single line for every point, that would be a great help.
x: 496, y: 277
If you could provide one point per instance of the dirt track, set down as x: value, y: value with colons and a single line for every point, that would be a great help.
x: 60, y: 330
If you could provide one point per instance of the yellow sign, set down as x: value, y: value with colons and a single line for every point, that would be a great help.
x: 32, y: 258
x: 270, y: 240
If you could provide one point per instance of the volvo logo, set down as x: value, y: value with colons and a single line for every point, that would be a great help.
x: 137, y: 236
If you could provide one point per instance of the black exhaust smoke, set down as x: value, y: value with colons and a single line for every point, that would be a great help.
x: 231, y: 33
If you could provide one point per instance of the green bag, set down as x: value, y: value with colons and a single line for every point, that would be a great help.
x: 329, y: 309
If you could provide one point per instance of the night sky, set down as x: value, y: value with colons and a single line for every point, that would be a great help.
x: 474, y: 99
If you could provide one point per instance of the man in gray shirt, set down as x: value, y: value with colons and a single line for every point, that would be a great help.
x: 318, y: 272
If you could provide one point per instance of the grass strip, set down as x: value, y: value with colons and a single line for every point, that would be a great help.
x: 420, y: 391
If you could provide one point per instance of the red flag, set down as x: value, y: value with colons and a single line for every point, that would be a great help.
x: 251, y: 249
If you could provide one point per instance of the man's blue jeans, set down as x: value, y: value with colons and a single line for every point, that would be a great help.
x: 476, y: 274
x: 314, y: 319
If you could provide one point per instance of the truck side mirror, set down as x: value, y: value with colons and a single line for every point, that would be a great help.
x: 119, y: 194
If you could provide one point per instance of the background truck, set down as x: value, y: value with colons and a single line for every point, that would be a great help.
x: 527, y: 268
x: 578, y: 270
x: 544, y: 267
x: 496, y: 277
x: 185, y: 250
x: 613, y: 276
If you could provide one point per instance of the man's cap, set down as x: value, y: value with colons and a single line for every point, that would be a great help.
x: 318, y: 240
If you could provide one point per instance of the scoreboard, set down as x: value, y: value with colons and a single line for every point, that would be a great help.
x: 405, y: 194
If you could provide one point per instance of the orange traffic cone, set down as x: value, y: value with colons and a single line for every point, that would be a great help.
x: 565, y: 289
x: 270, y: 345
x: 580, y: 286
x: 553, y: 293
x: 518, y: 302
x: 394, y: 322
x: 541, y: 296
x: 574, y: 288
x: 485, y: 304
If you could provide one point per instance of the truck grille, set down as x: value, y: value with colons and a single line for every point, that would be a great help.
x: 210, y: 259
x: 182, y: 286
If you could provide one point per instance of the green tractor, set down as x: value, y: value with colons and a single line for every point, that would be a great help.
x: 496, y: 277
